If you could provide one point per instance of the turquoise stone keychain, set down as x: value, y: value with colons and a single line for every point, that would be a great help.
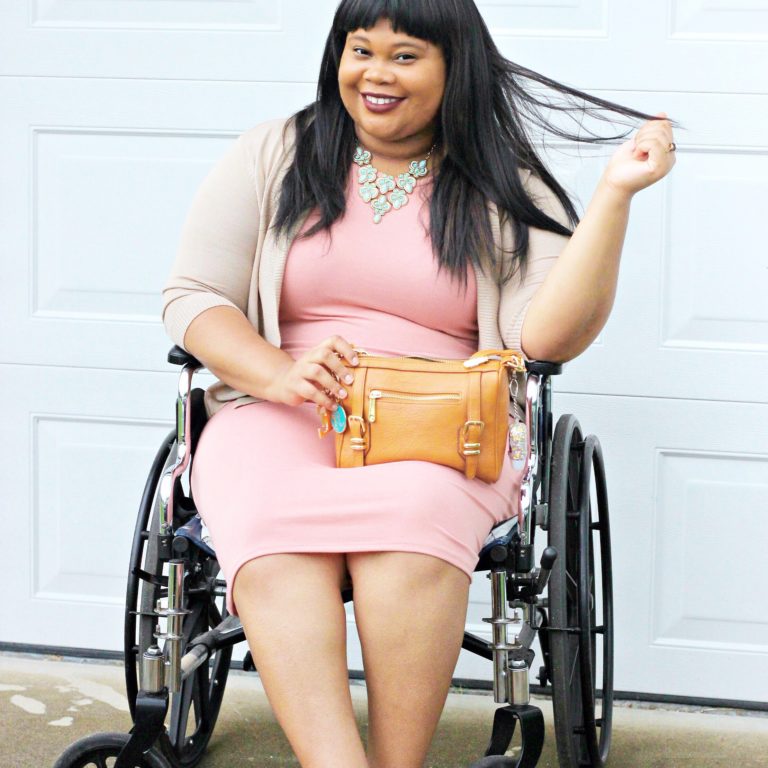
x: 339, y: 419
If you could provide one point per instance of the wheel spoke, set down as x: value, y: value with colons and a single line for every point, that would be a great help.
x: 574, y: 665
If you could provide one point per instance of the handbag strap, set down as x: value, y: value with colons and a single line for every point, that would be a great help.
x: 358, y: 429
x: 473, y: 427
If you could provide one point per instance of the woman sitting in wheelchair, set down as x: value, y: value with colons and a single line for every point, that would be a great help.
x: 405, y: 212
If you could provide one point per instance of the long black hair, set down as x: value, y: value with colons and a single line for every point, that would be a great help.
x: 480, y: 156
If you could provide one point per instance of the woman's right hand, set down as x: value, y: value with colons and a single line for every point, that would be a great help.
x: 318, y: 376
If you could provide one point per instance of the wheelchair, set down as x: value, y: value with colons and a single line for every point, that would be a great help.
x: 175, y: 598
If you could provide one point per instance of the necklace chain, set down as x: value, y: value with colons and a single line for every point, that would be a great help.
x: 382, y: 191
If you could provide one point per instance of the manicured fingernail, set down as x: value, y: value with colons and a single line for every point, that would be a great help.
x: 355, y: 360
x: 348, y: 379
x: 342, y: 393
x: 334, y: 407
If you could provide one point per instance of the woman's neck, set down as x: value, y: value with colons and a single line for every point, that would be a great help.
x: 395, y: 157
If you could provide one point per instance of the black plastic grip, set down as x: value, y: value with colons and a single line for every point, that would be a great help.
x: 548, y: 557
x: 543, y: 368
x: 179, y: 356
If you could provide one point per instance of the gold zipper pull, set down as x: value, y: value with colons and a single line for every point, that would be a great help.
x: 374, y: 395
x: 516, y: 364
x: 473, y: 362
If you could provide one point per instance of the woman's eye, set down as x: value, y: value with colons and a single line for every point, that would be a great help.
x: 405, y: 57
x: 360, y: 51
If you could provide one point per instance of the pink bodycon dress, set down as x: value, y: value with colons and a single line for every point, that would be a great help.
x: 264, y: 482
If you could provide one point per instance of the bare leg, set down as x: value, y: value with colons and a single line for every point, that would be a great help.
x: 410, y: 611
x: 291, y: 609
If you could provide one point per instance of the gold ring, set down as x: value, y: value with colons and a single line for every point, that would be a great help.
x: 672, y: 147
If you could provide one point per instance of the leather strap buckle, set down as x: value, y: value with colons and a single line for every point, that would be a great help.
x: 471, y: 448
x: 358, y: 443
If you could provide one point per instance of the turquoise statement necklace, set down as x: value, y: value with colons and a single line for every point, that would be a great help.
x: 382, y: 191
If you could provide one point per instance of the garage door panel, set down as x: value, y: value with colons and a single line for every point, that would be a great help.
x: 88, y: 473
x: 97, y: 205
x: 714, y: 270
x: 711, y: 523
x: 208, y: 15
x: 204, y: 40
x: 719, y: 20
x: 77, y: 448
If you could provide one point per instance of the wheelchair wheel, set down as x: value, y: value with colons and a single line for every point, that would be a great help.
x: 100, y: 751
x: 195, y: 709
x: 580, y: 631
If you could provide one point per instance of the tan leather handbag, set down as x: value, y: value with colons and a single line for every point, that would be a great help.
x: 451, y: 412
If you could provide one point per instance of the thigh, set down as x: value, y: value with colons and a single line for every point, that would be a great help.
x: 284, y: 574
x: 405, y: 570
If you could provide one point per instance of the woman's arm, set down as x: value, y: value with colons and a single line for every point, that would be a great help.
x: 232, y: 350
x: 572, y: 305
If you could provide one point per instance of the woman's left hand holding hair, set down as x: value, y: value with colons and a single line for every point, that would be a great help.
x: 642, y: 160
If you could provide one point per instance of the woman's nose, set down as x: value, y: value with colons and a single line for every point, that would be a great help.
x: 379, y: 74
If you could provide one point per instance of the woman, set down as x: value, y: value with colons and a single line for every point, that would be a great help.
x: 404, y: 212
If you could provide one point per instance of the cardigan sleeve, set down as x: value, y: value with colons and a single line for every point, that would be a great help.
x: 215, y: 258
x: 544, y: 249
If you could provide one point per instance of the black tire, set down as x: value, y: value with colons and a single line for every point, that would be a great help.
x: 580, y: 631
x: 97, y: 751
x: 195, y: 709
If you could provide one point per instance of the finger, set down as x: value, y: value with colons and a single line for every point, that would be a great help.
x: 311, y: 393
x: 340, y: 350
x: 344, y: 348
x: 333, y: 361
x: 646, y: 144
x: 663, y: 132
x: 657, y: 156
x: 325, y: 381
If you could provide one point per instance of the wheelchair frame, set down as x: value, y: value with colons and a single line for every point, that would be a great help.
x: 555, y: 495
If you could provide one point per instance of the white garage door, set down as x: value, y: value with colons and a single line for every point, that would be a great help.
x: 113, y: 111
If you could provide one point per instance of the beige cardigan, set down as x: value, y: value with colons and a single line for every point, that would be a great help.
x: 229, y: 254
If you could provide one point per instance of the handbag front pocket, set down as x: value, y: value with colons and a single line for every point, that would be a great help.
x: 376, y: 395
x: 414, y: 425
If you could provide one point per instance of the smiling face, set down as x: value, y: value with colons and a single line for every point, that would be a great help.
x: 392, y: 86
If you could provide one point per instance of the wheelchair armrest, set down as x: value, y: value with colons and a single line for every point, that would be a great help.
x: 543, y: 368
x: 179, y: 356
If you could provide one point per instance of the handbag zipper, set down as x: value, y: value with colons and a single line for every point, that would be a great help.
x: 515, y: 364
x: 378, y: 394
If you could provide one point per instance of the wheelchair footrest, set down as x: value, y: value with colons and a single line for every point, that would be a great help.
x: 531, y: 734
x: 149, y: 723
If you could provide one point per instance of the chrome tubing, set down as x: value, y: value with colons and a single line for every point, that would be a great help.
x: 520, y: 692
x: 502, y: 688
x: 183, y: 430
x: 174, y: 618
x: 193, y: 659
x: 152, y: 670
x: 528, y: 484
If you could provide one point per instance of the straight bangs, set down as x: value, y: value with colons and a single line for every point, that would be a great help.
x: 432, y: 20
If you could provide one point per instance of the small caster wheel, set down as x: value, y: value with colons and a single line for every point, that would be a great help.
x: 100, y: 751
